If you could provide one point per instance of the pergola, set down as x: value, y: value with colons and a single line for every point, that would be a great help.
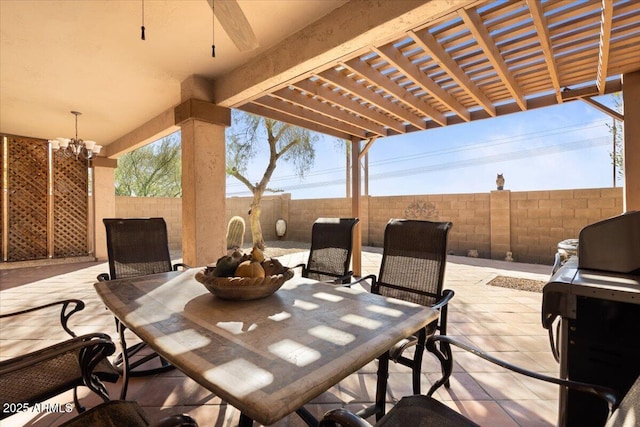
x: 358, y: 70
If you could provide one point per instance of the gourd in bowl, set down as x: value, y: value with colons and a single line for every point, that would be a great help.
x: 244, y: 277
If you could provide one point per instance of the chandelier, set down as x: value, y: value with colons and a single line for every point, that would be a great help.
x: 75, y: 147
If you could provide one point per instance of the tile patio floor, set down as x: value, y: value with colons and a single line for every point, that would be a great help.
x: 505, y: 322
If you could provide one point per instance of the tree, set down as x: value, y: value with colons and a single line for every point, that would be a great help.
x: 285, y: 142
x: 616, y: 129
x: 154, y: 170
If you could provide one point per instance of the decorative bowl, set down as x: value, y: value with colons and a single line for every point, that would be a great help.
x: 243, y: 288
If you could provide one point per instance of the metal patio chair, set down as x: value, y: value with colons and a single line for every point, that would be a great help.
x: 125, y: 413
x: 137, y: 247
x: 427, y: 411
x: 413, y: 262
x: 39, y: 375
x: 330, y: 253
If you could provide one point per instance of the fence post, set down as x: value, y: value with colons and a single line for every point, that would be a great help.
x: 500, y: 218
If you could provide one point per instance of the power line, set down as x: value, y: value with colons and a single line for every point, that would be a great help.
x: 480, y: 145
x: 498, y: 158
x: 447, y: 150
x: 458, y: 164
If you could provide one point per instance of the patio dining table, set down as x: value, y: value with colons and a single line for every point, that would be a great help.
x: 267, y: 357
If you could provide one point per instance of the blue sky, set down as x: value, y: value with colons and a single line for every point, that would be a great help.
x: 559, y: 147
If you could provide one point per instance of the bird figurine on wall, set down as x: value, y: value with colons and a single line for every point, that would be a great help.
x: 500, y: 181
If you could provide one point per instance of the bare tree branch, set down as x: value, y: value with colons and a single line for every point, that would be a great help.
x: 283, y: 142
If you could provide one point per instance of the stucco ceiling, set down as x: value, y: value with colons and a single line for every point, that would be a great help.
x: 58, y: 56
x: 352, y: 69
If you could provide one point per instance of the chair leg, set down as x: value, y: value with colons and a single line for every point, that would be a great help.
x: 417, y: 362
x: 445, y: 356
x: 381, y: 388
x: 125, y: 361
x: 449, y: 356
x: 307, y: 416
x: 76, y: 401
x: 378, y: 408
x: 245, y: 421
x: 131, y: 351
x: 120, y: 362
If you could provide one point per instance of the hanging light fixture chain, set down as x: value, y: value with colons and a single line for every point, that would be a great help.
x: 142, y: 27
x: 213, y: 29
x: 76, y: 113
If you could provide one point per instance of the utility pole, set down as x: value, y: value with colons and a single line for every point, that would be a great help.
x: 366, y: 174
x: 615, y: 140
x: 348, y: 180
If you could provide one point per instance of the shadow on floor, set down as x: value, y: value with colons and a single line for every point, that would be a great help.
x: 10, y: 278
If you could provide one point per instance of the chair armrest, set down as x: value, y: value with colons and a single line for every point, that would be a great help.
x: 341, y: 416
x: 38, y: 356
x: 344, y: 280
x: 447, y: 296
x: 97, y: 347
x: 303, y: 265
x: 69, y: 307
x: 65, y: 365
x: 178, y: 265
x: 181, y: 420
x: 104, y: 277
x: 340, y: 280
x: 443, y: 307
x: 371, y: 277
x: 609, y: 395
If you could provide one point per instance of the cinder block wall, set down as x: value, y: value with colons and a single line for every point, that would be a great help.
x: 273, y: 208
x: 469, y: 214
x: 541, y: 219
x: 302, y: 214
x: 529, y: 224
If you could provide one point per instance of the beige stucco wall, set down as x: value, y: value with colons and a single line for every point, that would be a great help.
x: 104, y: 201
x: 530, y: 223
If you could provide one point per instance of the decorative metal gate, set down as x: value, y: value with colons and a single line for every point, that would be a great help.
x: 44, y: 202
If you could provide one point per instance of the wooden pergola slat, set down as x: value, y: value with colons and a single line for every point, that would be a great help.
x: 480, y: 60
x: 545, y: 44
x: 429, y: 43
x: 605, y: 40
x: 413, y: 72
x: 478, y: 56
x: 477, y: 28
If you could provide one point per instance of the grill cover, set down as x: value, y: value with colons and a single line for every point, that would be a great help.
x: 611, y: 245
x: 596, y: 295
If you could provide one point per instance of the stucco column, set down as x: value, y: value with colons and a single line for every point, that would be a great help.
x: 630, y: 96
x: 104, y: 202
x: 203, y: 181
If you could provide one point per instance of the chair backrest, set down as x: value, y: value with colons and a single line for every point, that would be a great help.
x: 628, y: 413
x: 331, y: 247
x: 413, y: 260
x: 137, y: 246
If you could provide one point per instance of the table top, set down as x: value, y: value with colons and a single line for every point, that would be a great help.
x: 266, y: 357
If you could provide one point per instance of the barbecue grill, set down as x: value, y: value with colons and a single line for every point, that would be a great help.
x: 591, y: 307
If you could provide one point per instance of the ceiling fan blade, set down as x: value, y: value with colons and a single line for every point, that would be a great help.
x: 235, y: 23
